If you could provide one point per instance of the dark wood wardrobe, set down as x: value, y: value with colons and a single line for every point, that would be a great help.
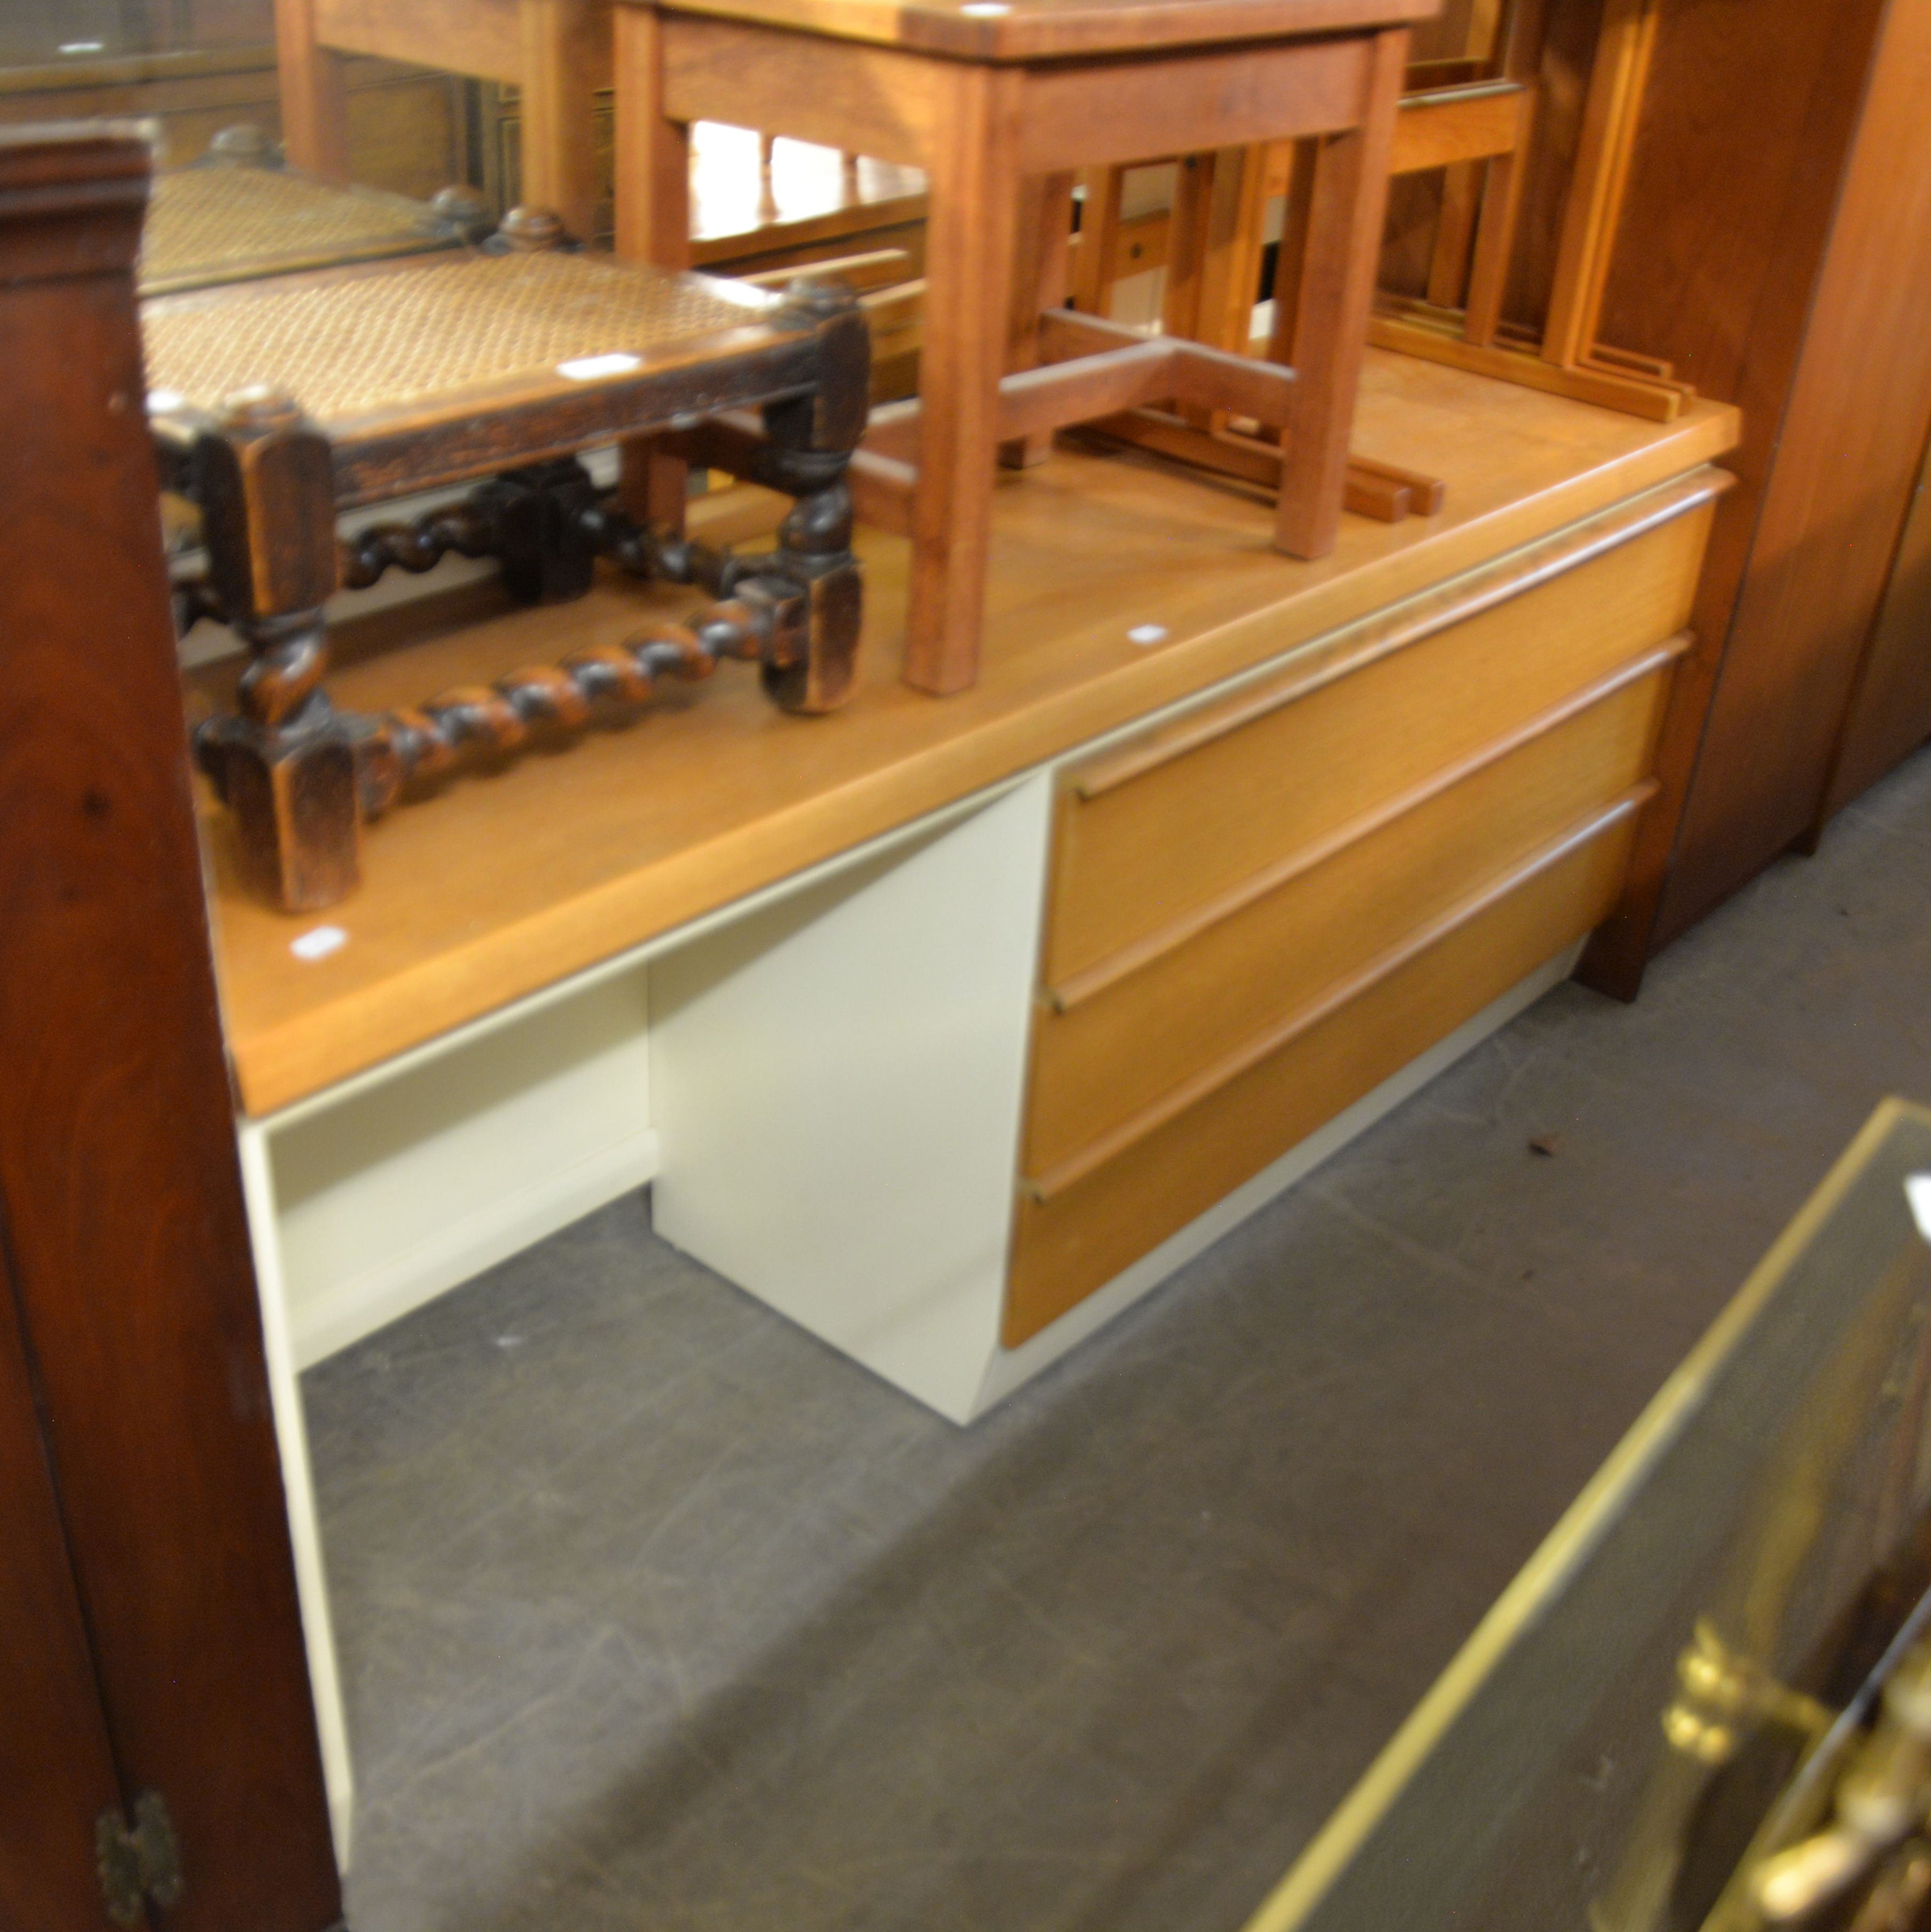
x: 1775, y: 246
x: 158, y: 1762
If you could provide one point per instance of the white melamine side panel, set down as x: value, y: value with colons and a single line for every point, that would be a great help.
x: 837, y: 1081
x: 409, y: 1187
x: 291, y: 1439
x: 1011, y: 1368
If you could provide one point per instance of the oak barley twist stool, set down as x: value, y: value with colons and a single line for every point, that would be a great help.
x: 276, y: 404
x: 999, y: 100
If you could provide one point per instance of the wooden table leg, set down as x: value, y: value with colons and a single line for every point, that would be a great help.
x: 1098, y: 263
x: 1214, y: 273
x: 653, y: 151
x: 315, y: 97
x: 969, y: 270
x: 1041, y: 280
x: 558, y: 86
x: 1494, y: 247
x: 284, y: 763
x: 1346, y: 202
x: 1609, y: 116
x: 652, y: 171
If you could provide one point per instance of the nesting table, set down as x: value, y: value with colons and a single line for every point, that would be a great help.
x: 999, y: 102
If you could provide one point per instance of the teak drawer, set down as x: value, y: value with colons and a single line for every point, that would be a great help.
x: 1079, y: 1236
x: 1149, y: 833
x: 1131, y: 1035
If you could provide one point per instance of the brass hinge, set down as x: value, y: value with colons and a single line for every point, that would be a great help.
x: 138, y: 1866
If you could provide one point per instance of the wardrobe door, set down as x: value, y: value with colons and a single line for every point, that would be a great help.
x: 126, y: 1239
x: 56, y: 1774
x: 1890, y: 714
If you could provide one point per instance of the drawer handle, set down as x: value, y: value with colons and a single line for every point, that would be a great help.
x: 1095, y: 1154
x: 1342, y: 652
x: 1079, y: 987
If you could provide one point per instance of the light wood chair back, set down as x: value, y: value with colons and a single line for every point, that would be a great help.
x: 1470, y: 113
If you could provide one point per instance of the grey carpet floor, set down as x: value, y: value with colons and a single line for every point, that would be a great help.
x: 653, y: 1612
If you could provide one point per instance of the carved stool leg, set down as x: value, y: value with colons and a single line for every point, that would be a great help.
x: 974, y: 195
x: 814, y: 553
x: 1333, y: 289
x: 286, y: 764
x: 812, y: 439
x: 795, y: 612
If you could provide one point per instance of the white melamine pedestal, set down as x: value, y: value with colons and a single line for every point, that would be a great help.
x: 824, y: 1085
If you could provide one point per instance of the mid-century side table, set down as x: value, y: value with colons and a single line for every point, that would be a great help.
x: 999, y: 100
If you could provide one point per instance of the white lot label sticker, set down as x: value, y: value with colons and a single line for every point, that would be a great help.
x: 1917, y: 1191
x: 588, y: 368
x: 319, y: 942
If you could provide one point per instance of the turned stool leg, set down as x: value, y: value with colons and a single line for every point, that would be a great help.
x: 653, y: 226
x: 812, y: 442
x: 285, y: 764
x: 969, y: 276
x: 1328, y: 292
x: 558, y: 85
x: 314, y: 100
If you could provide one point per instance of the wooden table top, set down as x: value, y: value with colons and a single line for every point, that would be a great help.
x: 1014, y: 30
x: 516, y: 879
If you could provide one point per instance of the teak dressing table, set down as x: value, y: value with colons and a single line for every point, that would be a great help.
x: 905, y: 1015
